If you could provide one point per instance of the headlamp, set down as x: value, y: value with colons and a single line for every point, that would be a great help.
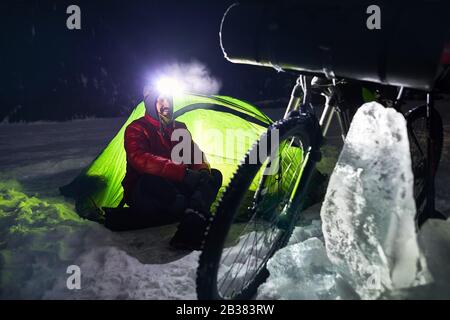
x: 169, y: 86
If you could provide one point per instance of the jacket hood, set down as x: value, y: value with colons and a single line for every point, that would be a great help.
x: 150, y: 105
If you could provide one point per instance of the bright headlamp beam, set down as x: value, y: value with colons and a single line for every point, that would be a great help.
x: 169, y: 86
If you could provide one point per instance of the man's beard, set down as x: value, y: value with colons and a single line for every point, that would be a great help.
x: 166, y: 120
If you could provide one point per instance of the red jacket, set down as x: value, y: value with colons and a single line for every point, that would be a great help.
x: 149, y: 152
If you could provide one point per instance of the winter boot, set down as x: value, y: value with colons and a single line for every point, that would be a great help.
x: 190, y: 232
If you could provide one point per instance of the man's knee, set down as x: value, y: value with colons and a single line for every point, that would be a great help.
x: 158, y: 194
x: 154, y: 189
x: 148, y: 181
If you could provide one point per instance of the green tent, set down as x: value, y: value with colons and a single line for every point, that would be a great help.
x: 223, y: 127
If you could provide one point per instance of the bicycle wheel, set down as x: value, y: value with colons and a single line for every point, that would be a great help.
x: 417, y: 132
x: 257, y: 212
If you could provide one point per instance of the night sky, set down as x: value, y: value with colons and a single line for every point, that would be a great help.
x: 52, y: 73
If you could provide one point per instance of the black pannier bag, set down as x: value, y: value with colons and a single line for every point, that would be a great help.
x: 332, y: 38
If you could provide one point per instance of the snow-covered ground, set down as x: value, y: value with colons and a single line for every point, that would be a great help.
x: 41, y: 235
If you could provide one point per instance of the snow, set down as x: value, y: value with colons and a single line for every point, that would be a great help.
x: 434, y: 239
x: 301, y: 271
x: 41, y: 235
x: 110, y: 273
x: 43, y: 238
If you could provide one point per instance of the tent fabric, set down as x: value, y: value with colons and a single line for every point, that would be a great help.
x: 223, y: 127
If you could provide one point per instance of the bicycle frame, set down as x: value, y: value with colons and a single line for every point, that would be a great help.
x: 300, y: 96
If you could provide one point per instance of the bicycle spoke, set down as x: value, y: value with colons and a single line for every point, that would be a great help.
x: 416, y: 141
x: 248, y: 264
x: 256, y: 241
x: 238, y: 272
x: 241, y: 248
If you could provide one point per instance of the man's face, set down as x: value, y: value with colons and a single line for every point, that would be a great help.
x: 164, y: 106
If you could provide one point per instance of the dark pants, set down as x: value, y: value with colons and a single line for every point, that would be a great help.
x: 155, y: 195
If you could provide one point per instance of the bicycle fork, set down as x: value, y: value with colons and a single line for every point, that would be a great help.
x: 300, y: 96
x: 298, y: 104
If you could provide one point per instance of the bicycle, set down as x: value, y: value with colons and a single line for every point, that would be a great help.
x: 257, y: 213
